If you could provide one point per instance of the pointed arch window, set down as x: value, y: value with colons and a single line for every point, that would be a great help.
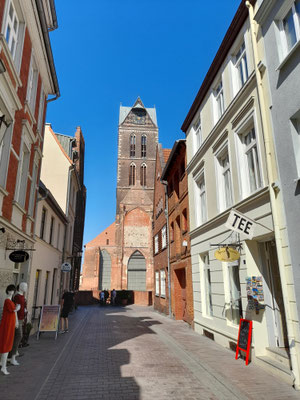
x: 143, y: 174
x: 132, y: 175
x: 132, y: 145
x: 144, y: 146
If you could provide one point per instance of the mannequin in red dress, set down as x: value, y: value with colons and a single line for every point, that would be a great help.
x: 7, y: 327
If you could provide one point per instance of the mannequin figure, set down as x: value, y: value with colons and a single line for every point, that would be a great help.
x: 19, y: 298
x: 7, y: 327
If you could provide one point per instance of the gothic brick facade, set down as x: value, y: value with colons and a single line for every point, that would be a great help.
x: 127, y: 263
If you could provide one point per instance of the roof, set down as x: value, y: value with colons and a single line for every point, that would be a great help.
x: 124, y: 111
x: 238, y: 20
x: 50, y: 199
x: 166, y: 153
x: 174, y: 150
x: 66, y: 142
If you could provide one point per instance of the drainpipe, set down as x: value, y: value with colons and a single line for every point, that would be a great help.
x: 165, y: 183
x: 275, y: 202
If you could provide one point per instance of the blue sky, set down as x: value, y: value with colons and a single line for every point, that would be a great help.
x: 109, y: 52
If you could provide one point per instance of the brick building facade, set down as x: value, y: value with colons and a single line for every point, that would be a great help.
x: 178, y: 213
x: 27, y: 77
x: 128, y: 264
x: 160, y: 239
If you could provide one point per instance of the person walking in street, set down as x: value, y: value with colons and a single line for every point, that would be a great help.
x: 66, y: 306
x: 102, y: 298
x: 113, y: 297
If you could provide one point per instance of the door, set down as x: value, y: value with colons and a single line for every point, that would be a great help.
x: 273, y: 297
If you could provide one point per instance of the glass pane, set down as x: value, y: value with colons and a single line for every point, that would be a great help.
x: 11, y: 11
x: 244, y: 60
x: 16, y: 25
x: 227, y: 185
x: 289, y: 29
x: 7, y: 34
x: 258, y: 179
x: 297, y: 6
x: 251, y: 171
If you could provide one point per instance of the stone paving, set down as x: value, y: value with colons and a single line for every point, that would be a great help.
x: 134, y: 353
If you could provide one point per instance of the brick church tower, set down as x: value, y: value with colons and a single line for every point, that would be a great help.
x: 121, y: 257
x: 138, y: 137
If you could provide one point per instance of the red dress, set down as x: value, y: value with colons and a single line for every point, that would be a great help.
x: 7, y: 326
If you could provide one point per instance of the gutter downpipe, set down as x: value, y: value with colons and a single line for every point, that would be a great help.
x: 165, y: 183
x: 275, y: 203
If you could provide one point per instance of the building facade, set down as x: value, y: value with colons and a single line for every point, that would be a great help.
x: 160, y: 235
x: 27, y: 77
x: 231, y: 164
x: 137, y: 140
x: 181, y: 288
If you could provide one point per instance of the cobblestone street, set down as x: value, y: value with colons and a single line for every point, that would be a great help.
x: 134, y: 353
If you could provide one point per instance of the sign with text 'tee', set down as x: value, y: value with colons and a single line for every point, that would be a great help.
x: 240, y: 223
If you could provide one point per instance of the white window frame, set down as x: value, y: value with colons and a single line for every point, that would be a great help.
x: 225, y: 200
x: 200, y: 198
x: 241, y: 66
x: 32, y: 84
x: 22, y: 178
x: 162, y: 283
x: 5, y: 145
x: 156, y: 244
x: 284, y: 47
x: 231, y: 296
x: 206, y: 286
x: 164, y: 237
x: 243, y: 171
x: 295, y: 131
x: 197, y: 134
x: 18, y: 35
x: 219, y: 100
x: 41, y: 111
x: 157, y: 279
x: 33, y: 188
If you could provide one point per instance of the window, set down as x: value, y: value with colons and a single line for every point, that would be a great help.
x: 12, y: 29
x: 58, y: 236
x: 5, y: 142
x: 41, y: 111
x: 197, y: 135
x: 43, y: 223
x: 224, y: 180
x: 172, y: 231
x: 241, y: 66
x: 296, y: 141
x: 143, y: 146
x: 132, y: 175
x: 46, y: 287
x: 164, y: 237
x: 219, y: 97
x: 51, y: 230
x: 143, y: 174
x: 232, y: 292
x: 156, y: 283
x: 184, y: 221
x: 32, y: 84
x: 132, y: 145
x: 290, y: 27
x: 207, y: 308
x: 201, y: 212
x: 162, y: 283
x: 252, y: 163
x: 35, y: 292
x: 155, y: 244
x: 32, y: 190
x: 107, y: 242
x: 22, y: 176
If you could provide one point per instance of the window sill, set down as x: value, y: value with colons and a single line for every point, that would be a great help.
x: 288, y: 56
x: 30, y: 217
x: 28, y: 109
x: 162, y: 297
x: 3, y: 191
x: 19, y: 207
x: 156, y: 295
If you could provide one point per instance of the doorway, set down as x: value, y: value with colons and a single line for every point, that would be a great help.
x: 180, y: 295
x: 275, y: 313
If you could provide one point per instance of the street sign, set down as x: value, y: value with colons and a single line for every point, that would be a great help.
x: 227, y: 254
x: 66, y: 267
x: 18, y: 256
x: 240, y: 223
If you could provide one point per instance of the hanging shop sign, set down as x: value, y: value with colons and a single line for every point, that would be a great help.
x: 19, y: 256
x: 240, y: 223
x: 244, y: 338
x: 66, y: 267
x: 227, y: 254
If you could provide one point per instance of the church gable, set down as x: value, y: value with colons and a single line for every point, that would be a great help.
x: 138, y: 115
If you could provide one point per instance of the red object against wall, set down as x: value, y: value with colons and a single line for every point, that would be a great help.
x: 244, y: 338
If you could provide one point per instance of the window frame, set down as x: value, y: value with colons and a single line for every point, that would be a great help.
x: 132, y: 144
x: 206, y: 286
x: 143, y: 146
x: 163, y: 283
x: 222, y: 154
x: 43, y: 223
x: 200, y: 194
x: 132, y: 174
x: 164, y: 237
x: 219, y: 95
x: 22, y: 176
x: 157, y: 282
x: 5, y: 146
x: 197, y: 134
x: 291, y: 8
x: 143, y: 179
x: 51, y: 233
x: 156, y: 244
x: 33, y: 188
x: 241, y: 75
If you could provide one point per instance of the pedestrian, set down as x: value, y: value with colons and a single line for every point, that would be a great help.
x: 67, y: 302
x: 106, y: 296
x: 102, y: 298
x: 113, y: 297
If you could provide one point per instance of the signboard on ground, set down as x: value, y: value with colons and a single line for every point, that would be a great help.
x: 240, y: 223
x: 49, y: 319
x: 244, y: 338
x: 66, y: 267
